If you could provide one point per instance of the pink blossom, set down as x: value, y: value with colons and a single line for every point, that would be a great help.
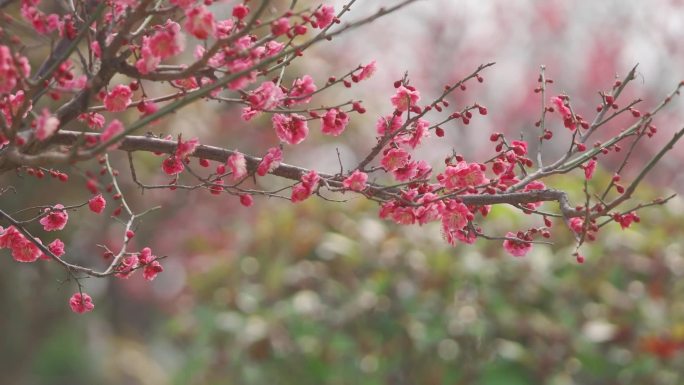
x: 9, y: 237
x: 11, y: 108
x: 626, y: 220
x: 145, y: 256
x: 280, y: 26
x: 393, y: 122
x: 187, y: 148
x: 589, y: 169
x: 81, y: 303
x: 532, y: 186
x: 97, y: 204
x: 56, y: 218
x: 270, y: 161
x: 455, y: 216
x: 148, y: 107
x: 560, y: 106
x: 23, y: 250
x: 576, y: 225
x: 8, y: 75
x: 173, y: 165
x: 466, y: 236
x: 302, y: 90
x: 266, y: 97
x: 395, y: 158
x: 300, y: 193
x: 183, y: 3
x: 386, y: 209
x: 403, y: 216
x: 56, y: 247
x: 462, y: 175
x: 423, y: 169
x: 148, y: 61
x: 324, y: 16
x: 238, y: 165
x: 356, y: 181
x: 118, y: 99
x: 167, y: 41
x: 126, y: 267
x: 94, y: 120
x: 367, y: 71
x: 290, y: 128
x: 309, y: 182
x: 96, y: 49
x: 334, y: 122
x: 46, y: 125
x: 418, y: 133
x: 248, y: 113
x: 407, y: 172
x: 430, y: 210
x: 516, y: 248
x: 273, y: 48
x: 152, y: 267
x: 565, y: 112
x: 519, y: 147
x: 114, y: 128
x: 200, y: 22
x: 224, y: 28
x: 405, y: 98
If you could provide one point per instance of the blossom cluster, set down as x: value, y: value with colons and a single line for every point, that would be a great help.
x: 111, y: 88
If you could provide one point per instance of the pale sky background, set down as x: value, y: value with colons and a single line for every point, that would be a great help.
x: 584, y: 45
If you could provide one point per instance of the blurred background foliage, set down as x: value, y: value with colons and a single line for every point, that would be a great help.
x: 326, y: 293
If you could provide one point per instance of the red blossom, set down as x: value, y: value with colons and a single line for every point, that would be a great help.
x: 81, y: 303
x: 246, y: 200
x: 56, y: 218
x: 173, y: 165
x: 97, y: 204
x: 514, y: 247
x: 240, y: 11
x: 280, y: 26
